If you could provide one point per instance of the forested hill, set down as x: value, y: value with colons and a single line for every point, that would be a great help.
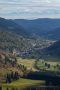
x: 12, y: 35
x: 53, y: 50
x: 10, y: 26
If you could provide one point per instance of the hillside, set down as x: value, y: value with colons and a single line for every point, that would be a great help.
x: 54, y: 34
x: 8, y: 64
x: 13, y: 35
x: 9, y: 40
x: 53, y: 50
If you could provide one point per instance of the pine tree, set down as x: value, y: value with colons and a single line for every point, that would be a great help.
x: 8, y: 78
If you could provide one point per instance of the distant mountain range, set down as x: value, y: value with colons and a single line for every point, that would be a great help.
x: 47, y: 28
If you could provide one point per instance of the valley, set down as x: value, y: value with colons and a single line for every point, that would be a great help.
x: 29, y: 53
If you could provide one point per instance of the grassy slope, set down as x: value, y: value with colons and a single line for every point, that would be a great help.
x: 8, y: 68
x: 4, y: 69
x: 22, y: 83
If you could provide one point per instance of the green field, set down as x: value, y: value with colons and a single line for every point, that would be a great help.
x: 53, y: 64
x: 22, y: 84
x: 29, y: 63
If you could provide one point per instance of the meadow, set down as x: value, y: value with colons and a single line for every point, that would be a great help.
x: 44, y: 65
x: 22, y: 84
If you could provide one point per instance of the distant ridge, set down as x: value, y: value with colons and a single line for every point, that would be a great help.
x: 9, y: 25
x: 42, y: 26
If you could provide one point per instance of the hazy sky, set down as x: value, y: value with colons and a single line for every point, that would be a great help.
x: 30, y: 9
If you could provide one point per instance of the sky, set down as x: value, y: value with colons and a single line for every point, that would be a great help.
x: 29, y: 9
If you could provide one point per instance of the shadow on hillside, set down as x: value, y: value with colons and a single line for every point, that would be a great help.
x: 49, y: 79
